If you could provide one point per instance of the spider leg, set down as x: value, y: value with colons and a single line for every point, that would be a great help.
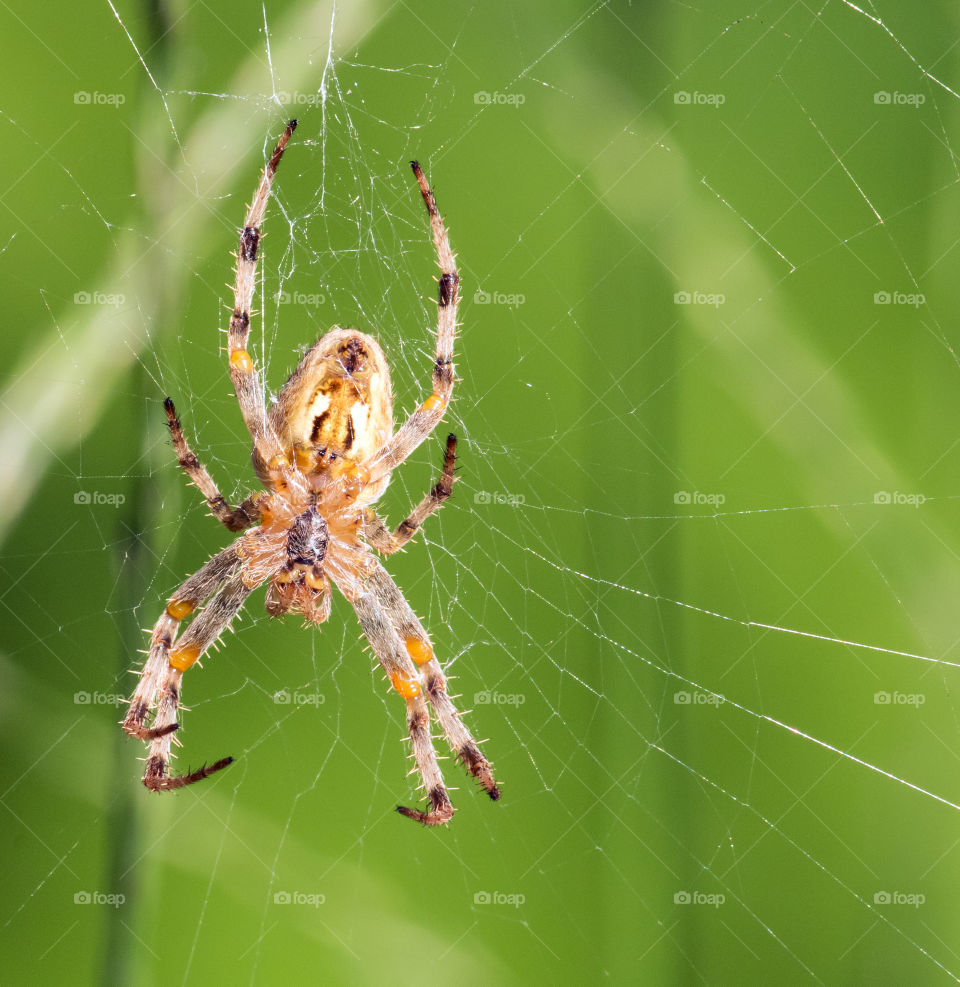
x: 159, y: 686
x: 388, y: 542
x: 441, y: 809
x: 235, y: 518
x: 246, y: 382
x: 426, y: 418
x: 417, y: 645
x: 204, y: 629
x: 197, y: 588
x: 399, y: 667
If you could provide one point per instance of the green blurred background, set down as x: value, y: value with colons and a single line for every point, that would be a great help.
x: 698, y: 580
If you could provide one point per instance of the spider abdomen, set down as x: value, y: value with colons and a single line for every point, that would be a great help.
x: 336, y: 405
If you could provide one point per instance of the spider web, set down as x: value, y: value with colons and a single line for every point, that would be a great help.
x: 694, y: 586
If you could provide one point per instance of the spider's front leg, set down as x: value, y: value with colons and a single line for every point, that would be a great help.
x: 243, y: 373
x: 426, y: 418
x: 159, y: 685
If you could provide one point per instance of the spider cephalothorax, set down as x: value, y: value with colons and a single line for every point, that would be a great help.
x: 324, y: 451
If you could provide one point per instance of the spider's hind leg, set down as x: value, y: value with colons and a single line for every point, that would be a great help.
x: 418, y: 646
x: 201, y: 585
x: 376, y: 619
x: 458, y: 736
x: 401, y: 644
x: 159, y: 687
x: 157, y: 776
x: 441, y: 808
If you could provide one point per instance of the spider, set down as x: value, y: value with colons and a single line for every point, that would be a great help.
x: 324, y: 450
